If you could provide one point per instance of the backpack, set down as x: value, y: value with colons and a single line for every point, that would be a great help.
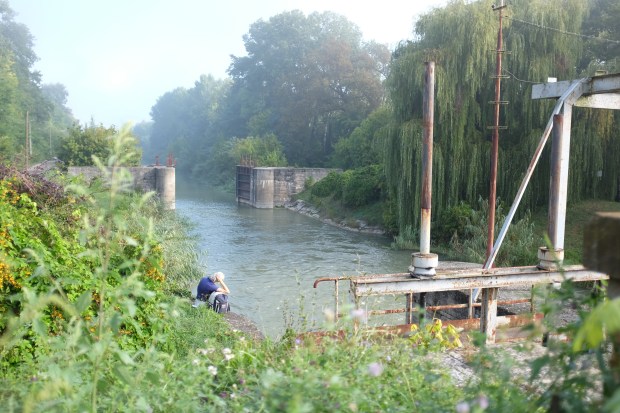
x: 220, y: 304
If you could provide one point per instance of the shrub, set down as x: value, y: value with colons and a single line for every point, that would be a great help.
x: 331, y: 185
x: 363, y: 186
x: 453, y: 222
x: 518, y: 248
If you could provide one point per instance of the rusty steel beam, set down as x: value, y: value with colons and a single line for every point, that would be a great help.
x: 466, y: 280
x: 462, y: 306
x: 425, y: 262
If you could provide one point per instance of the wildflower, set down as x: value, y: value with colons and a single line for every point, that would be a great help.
x: 228, y: 355
x: 375, y: 369
x: 297, y: 341
x: 388, y: 358
x: 195, y: 362
x: 329, y: 314
x: 483, y: 401
x: 359, y: 315
x: 212, y: 370
x: 462, y: 407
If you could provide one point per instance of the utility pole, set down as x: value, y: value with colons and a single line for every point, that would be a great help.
x: 27, y: 151
x: 495, y: 137
x: 50, y: 128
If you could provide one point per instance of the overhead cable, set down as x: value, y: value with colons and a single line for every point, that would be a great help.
x: 602, y: 39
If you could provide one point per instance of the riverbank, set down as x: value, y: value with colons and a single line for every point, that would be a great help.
x: 350, y: 224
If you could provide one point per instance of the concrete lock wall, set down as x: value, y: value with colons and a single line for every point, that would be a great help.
x: 272, y: 187
x: 263, y: 187
x: 160, y: 179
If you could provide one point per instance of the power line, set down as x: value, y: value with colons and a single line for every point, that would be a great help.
x: 602, y: 39
x: 517, y: 79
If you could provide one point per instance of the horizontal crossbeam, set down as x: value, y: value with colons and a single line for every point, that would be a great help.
x: 594, y: 85
x: 403, y: 283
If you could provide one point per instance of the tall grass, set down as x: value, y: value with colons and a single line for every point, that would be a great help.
x: 518, y: 248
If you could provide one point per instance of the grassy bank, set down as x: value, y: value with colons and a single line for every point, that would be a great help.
x: 533, y: 227
x: 96, y: 317
x: 577, y: 216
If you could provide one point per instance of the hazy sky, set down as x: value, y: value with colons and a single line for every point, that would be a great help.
x: 116, y: 57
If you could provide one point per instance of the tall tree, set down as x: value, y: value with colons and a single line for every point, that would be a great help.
x: 310, y: 80
x: 185, y: 122
x: 21, y: 93
x: 460, y: 38
x: 84, y: 142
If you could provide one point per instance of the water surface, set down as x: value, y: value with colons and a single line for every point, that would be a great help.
x: 271, y: 257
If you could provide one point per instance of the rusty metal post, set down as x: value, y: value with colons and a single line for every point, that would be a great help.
x: 424, y: 263
x: 336, y: 293
x: 558, y: 192
x: 488, y: 313
x: 409, y: 309
x: 428, y: 105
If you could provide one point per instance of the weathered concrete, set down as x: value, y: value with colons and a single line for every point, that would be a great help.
x: 601, y: 251
x: 601, y: 248
x: 270, y: 187
x: 160, y: 179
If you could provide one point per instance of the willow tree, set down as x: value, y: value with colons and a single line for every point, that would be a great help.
x: 461, y: 39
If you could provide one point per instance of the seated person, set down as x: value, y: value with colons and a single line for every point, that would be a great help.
x: 208, y: 286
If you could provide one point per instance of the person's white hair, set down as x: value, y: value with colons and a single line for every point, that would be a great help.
x: 214, y: 276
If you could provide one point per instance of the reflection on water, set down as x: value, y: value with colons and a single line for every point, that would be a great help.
x: 271, y: 257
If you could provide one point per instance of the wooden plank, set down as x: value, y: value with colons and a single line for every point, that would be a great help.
x: 488, y: 313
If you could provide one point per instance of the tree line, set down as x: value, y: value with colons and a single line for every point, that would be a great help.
x: 310, y: 91
x: 327, y: 98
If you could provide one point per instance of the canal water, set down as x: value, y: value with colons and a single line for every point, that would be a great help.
x: 271, y: 257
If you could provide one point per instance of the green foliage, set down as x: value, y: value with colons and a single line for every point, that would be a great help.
x: 356, y: 187
x: 453, y: 222
x: 364, y: 146
x: 604, y: 319
x: 21, y: 93
x: 331, y: 185
x: 83, y: 144
x: 435, y: 335
x: 187, y: 124
x: 519, y: 246
x: 458, y: 39
x: 363, y: 186
x: 259, y: 151
x: 564, y: 377
x: 310, y: 80
x: 406, y: 239
x: 315, y: 373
